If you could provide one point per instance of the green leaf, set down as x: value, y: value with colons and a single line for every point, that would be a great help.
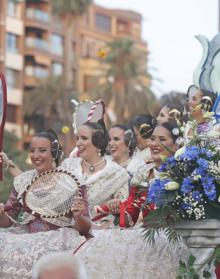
x: 206, y: 274
x: 191, y: 260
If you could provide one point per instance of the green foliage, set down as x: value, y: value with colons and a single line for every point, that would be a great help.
x: 49, y: 105
x: 161, y: 219
x: 62, y: 7
x: 125, y: 85
x: 19, y: 158
x: 186, y: 270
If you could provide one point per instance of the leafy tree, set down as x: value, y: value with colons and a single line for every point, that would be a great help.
x: 125, y: 89
x: 66, y: 7
x: 69, y: 11
x: 18, y: 157
x: 49, y: 107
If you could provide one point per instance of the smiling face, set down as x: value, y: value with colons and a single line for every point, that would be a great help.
x: 40, y: 154
x: 84, y: 144
x: 161, y: 142
x: 163, y: 115
x: 117, y: 146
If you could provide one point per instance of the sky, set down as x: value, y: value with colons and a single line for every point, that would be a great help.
x: 169, y: 27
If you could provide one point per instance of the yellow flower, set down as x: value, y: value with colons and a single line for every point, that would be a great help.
x: 172, y: 186
x: 65, y: 129
x: 208, y: 114
x: 101, y: 53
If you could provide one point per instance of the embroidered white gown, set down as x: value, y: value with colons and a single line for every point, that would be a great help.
x: 125, y: 254
x: 21, y: 247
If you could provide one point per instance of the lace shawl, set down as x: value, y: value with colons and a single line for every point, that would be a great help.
x: 110, y: 182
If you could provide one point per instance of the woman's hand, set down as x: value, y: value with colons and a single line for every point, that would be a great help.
x: 78, y: 207
x: 114, y: 206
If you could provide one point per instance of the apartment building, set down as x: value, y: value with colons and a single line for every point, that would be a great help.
x: 11, y: 60
x: 34, y: 44
x: 96, y: 28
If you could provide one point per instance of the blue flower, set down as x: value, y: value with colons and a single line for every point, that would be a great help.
x: 203, y: 163
x: 196, y: 196
x: 191, y: 153
x: 156, y: 191
x: 187, y: 185
x: 209, y: 187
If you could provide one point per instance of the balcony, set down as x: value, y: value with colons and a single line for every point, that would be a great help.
x: 36, y: 43
x: 37, y: 15
x: 36, y: 71
x: 37, y: 18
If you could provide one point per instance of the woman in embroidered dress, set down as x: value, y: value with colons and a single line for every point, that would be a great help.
x: 122, y: 143
x: 22, y: 243
x: 105, y: 179
x: 123, y: 253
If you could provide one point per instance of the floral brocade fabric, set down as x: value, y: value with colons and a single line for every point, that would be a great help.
x: 125, y: 254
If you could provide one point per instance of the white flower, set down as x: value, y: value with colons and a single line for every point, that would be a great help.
x: 196, y: 177
x: 180, y: 140
x: 175, y: 131
x: 179, y: 152
x: 172, y: 186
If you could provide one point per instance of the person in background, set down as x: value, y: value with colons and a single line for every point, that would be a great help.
x: 59, y: 265
x: 200, y: 103
x: 170, y: 112
x: 142, y: 125
x: 122, y: 144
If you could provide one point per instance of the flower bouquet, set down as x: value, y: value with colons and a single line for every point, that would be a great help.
x: 187, y: 187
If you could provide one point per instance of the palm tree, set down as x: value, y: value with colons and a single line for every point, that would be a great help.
x: 70, y: 7
x: 69, y: 11
x: 126, y: 89
x: 48, y: 106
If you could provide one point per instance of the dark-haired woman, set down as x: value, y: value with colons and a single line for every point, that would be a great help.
x: 24, y: 237
x: 170, y: 112
x: 143, y: 125
x: 122, y: 144
x: 105, y: 179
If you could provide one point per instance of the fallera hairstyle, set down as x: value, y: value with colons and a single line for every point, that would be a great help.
x: 56, y: 260
x: 144, y: 123
x: 170, y: 126
x: 56, y: 149
x: 129, y: 137
x: 208, y: 97
x: 99, y: 136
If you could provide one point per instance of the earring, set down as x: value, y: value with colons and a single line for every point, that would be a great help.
x: 100, y: 153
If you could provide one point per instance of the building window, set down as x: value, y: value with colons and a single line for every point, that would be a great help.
x: 57, y: 69
x: 11, y: 8
x: 57, y: 44
x: 12, y: 78
x: 11, y: 113
x: 103, y: 22
x: 11, y: 43
x: 123, y: 27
